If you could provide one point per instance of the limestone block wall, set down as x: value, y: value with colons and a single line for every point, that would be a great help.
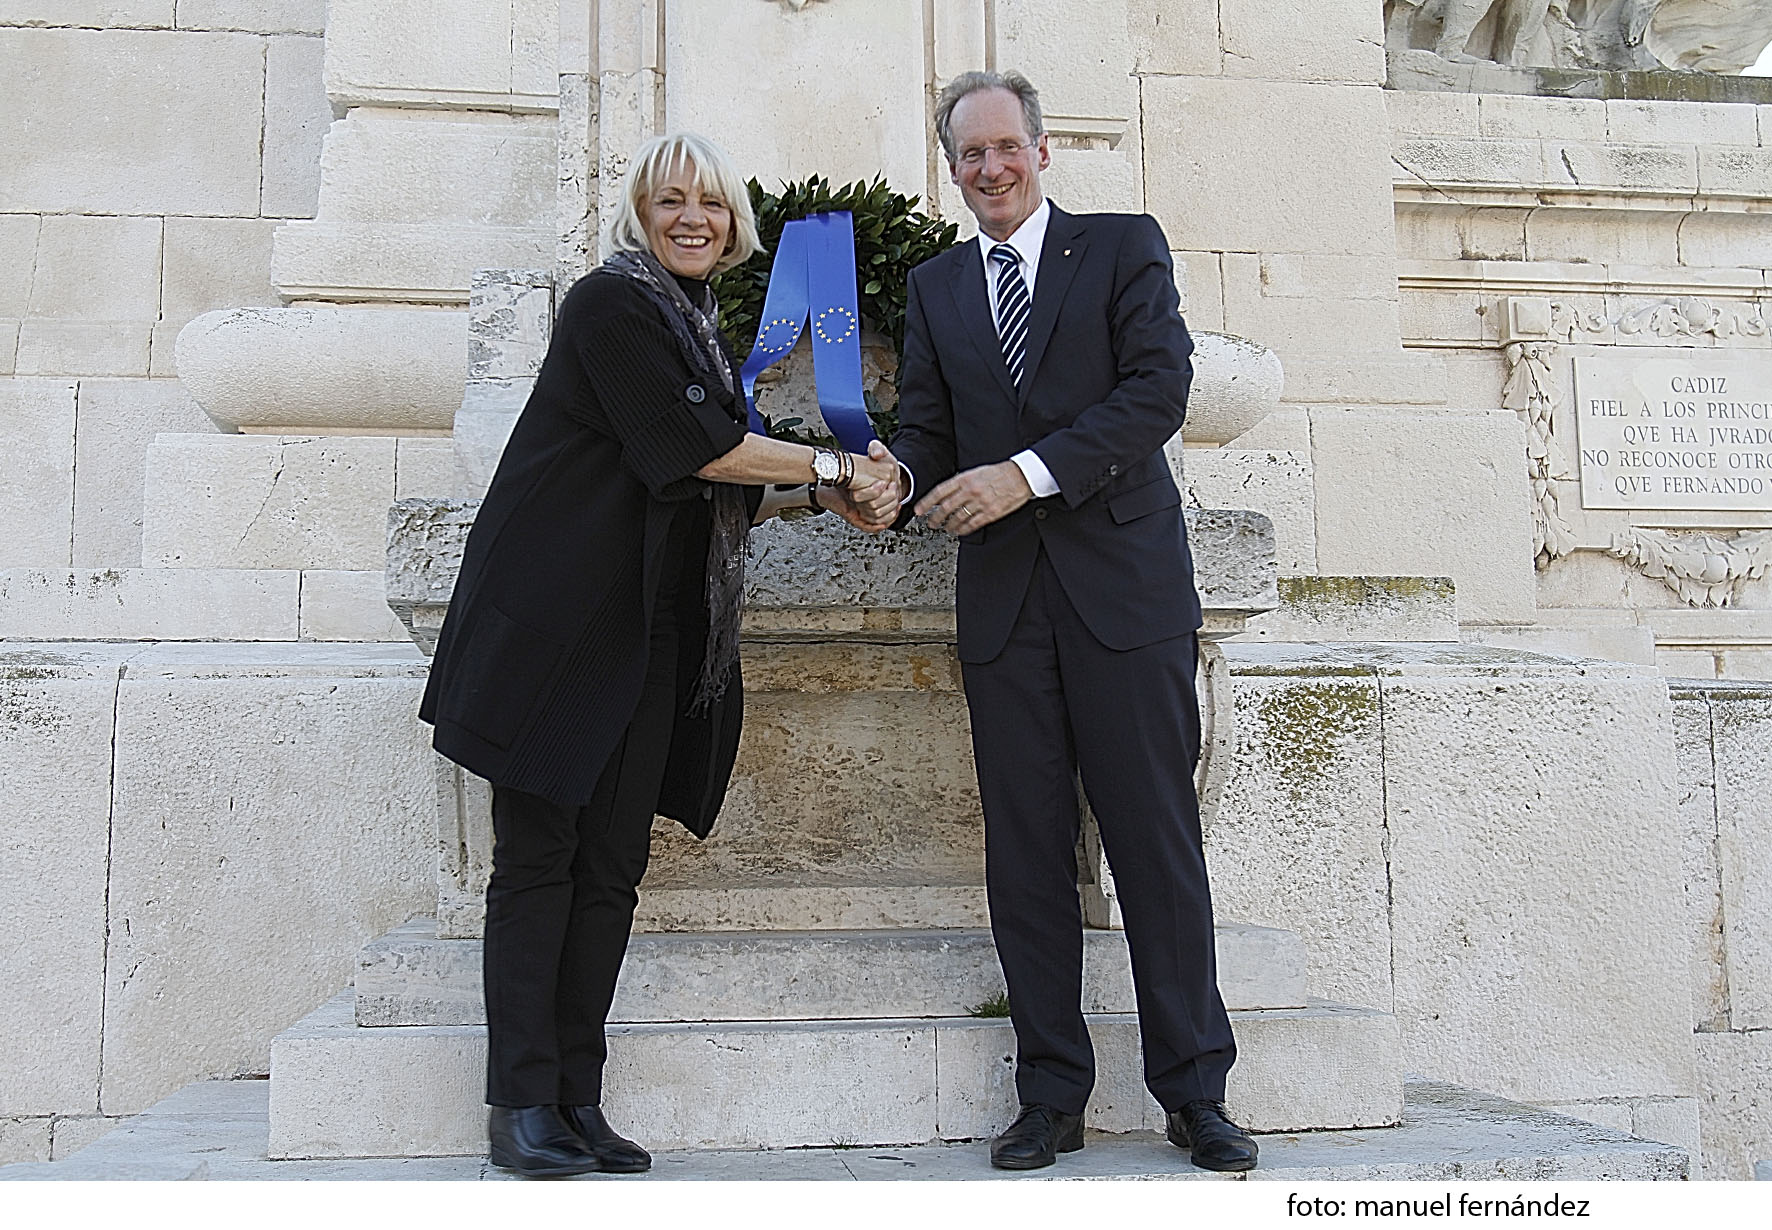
x: 153, y: 147
x: 1724, y: 735
x: 1485, y: 843
x: 198, y: 839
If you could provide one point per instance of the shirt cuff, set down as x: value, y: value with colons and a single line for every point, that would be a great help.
x: 910, y: 483
x: 1040, y: 480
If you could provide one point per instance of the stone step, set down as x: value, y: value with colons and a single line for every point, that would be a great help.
x: 217, y: 1130
x: 410, y: 977
x: 194, y: 604
x: 341, y: 1090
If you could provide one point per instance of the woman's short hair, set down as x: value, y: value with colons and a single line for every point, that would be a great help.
x: 971, y: 83
x: 656, y: 160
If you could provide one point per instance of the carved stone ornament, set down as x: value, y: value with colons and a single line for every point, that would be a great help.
x: 1685, y: 321
x: 1714, y: 36
x: 796, y: 5
x: 1703, y: 569
x: 1532, y: 389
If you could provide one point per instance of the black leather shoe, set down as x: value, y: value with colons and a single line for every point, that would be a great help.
x: 535, y: 1141
x: 615, y: 1154
x: 1036, y: 1138
x: 1213, y: 1141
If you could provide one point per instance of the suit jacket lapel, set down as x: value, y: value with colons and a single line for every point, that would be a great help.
x: 974, y: 306
x: 1059, y: 257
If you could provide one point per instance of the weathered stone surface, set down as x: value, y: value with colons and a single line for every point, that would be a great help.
x: 55, y: 784
x: 1512, y: 117
x: 1168, y: 39
x: 1317, y: 609
x: 1280, y: 485
x: 1695, y: 753
x: 1447, y: 1135
x: 118, y: 420
x: 37, y: 498
x: 1455, y: 502
x: 140, y: 14
x: 423, y: 468
x: 97, y: 269
x: 438, y: 52
x: 483, y: 424
x: 410, y: 977
x: 1533, y: 863
x: 1297, y: 839
x: 18, y: 251
x: 147, y: 604
x: 215, y: 263
x: 1334, y: 199
x: 187, y: 143
x: 510, y: 317
x: 73, y: 1133
x: 1742, y: 722
x: 821, y: 566
x: 329, y: 368
x: 1303, y: 40
x: 254, y: 785
x: 254, y: 16
x: 346, y: 606
x: 800, y: 48
x: 297, y: 115
x: 341, y: 1091
x: 398, y: 262
x: 24, y: 1140
x: 8, y: 346
x: 1078, y: 78
x: 1735, y: 1101
x: 1237, y: 383
x: 83, y: 348
x: 213, y: 501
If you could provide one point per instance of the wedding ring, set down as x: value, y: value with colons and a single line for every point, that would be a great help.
x: 964, y: 511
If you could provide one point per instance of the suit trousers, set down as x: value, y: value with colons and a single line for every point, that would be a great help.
x: 1053, y: 704
x: 560, y: 907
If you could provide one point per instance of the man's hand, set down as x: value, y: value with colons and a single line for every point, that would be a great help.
x: 871, y: 501
x: 974, y: 498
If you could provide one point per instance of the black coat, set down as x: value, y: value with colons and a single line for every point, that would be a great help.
x: 541, y: 659
x: 1104, y: 388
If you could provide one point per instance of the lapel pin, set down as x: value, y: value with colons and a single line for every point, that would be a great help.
x: 1067, y: 251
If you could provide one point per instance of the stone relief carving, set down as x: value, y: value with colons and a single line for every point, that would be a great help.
x: 1687, y: 320
x: 1532, y: 389
x: 796, y: 5
x: 1716, y: 36
x: 1703, y: 569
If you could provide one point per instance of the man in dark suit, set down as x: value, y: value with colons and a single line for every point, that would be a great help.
x: 1045, y: 367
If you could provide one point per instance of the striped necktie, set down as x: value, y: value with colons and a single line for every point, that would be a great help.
x: 1013, y: 308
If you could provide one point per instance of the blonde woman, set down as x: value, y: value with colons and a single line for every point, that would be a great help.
x: 588, y: 667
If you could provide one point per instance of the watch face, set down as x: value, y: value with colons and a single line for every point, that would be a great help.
x: 827, y: 467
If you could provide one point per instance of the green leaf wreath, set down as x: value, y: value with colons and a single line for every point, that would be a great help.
x: 891, y: 237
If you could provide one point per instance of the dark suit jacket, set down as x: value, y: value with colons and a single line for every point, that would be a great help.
x: 1104, y: 388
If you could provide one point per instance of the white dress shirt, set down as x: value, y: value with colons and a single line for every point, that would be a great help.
x: 1027, y: 241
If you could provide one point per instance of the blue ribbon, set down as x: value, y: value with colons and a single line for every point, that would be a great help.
x: 814, y: 278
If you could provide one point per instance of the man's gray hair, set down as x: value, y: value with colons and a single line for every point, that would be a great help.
x: 971, y: 83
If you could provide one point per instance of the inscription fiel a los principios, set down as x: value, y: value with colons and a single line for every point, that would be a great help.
x: 1690, y: 431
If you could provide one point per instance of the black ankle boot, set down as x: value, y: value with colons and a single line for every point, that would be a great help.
x: 615, y: 1154
x: 536, y: 1141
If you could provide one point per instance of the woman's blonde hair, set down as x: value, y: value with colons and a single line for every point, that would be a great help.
x: 659, y: 158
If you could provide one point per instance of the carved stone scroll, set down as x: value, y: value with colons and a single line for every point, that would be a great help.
x: 1532, y: 389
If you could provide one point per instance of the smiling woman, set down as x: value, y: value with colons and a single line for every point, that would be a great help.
x: 588, y: 667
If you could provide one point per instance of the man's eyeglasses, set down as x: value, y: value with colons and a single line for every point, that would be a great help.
x: 973, y: 155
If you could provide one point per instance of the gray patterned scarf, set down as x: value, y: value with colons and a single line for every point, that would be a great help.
x: 698, y: 337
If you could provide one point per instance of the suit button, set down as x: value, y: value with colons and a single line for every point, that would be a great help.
x: 696, y: 394
x: 1039, y: 514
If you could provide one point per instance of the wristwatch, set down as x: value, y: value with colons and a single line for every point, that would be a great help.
x: 827, y: 466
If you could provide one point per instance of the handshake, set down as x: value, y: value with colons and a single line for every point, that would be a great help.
x: 965, y: 502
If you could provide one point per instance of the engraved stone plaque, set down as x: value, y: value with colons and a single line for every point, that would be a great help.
x: 1682, y: 430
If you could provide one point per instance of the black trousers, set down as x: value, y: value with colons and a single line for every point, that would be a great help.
x: 1053, y: 703
x: 560, y: 906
